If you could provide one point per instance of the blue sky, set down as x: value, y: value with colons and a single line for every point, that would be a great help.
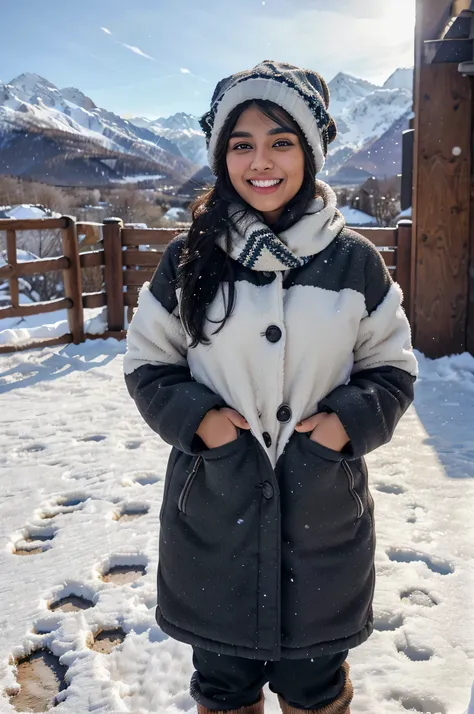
x: 157, y: 57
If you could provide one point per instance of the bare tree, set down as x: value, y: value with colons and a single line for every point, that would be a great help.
x: 44, y: 244
x: 343, y: 197
x: 379, y: 198
x: 50, y: 197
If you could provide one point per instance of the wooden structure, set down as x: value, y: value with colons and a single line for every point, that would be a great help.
x: 68, y: 263
x: 127, y: 258
x: 442, y: 288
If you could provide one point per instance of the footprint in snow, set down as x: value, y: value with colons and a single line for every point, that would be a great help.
x: 72, y: 597
x: 71, y: 603
x: 33, y: 448
x: 409, y: 555
x: 133, y: 444
x: 29, y: 449
x: 416, y: 596
x: 390, y: 488
x: 131, y: 511
x: 416, y: 654
x: 35, y: 540
x: 40, y: 677
x: 415, y: 703
x: 105, y: 640
x: 122, y: 569
x: 123, y: 574
x: 65, y: 504
x: 93, y: 437
x: 143, y: 478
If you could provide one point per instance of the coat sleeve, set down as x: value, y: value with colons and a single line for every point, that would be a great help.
x: 381, y: 386
x: 156, y: 370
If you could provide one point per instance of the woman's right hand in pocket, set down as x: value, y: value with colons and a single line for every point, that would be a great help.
x: 219, y: 427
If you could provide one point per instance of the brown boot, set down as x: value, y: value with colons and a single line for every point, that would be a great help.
x: 340, y: 706
x: 256, y: 708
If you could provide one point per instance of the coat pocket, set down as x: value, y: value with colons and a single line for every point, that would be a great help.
x: 174, y: 456
x: 184, y: 495
x: 354, y: 471
x: 198, y: 464
x: 351, y: 479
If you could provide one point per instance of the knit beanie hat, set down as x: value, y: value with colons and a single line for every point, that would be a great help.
x: 301, y: 92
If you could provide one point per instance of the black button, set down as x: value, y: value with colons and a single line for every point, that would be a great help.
x: 284, y: 413
x: 267, y: 490
x: 267, y: 439
x: 273, y: 333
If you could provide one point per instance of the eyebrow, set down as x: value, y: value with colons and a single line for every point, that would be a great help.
x: 272, y: 132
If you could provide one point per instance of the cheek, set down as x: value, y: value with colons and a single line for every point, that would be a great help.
x: 235, y: 166
x: 296, y: 171
x: 293, y: 165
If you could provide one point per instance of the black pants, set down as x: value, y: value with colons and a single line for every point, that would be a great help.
x: 227, y: 682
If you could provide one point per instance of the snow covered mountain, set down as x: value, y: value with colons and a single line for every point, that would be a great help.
x: 402, y: 78
x: 30, y: 105
x: 345, y: 90
x: 41, y: 124
x: 364, y: 112
x: 181, y: 129
x: 381, y: 157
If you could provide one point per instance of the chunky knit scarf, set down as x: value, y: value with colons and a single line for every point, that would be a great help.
x: 253, y: 243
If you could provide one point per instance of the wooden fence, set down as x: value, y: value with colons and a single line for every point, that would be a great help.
x: 127, y: 258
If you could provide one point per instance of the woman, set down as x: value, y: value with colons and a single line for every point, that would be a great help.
x: 271, y: 351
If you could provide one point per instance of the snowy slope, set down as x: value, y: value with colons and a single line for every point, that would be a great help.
x: 372, y: 116
x: 354, y: 217
x: 345, y: 90
x: 75, y: 456
x: 181, y: 129
x: 28, y: 210
x: 381, y: 157
x: 402, y: 78
x: 363, y: 111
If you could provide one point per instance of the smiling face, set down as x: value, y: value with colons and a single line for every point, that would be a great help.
x: 265, y: 161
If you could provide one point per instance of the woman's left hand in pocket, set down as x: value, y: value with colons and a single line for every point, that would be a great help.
x: 326, y: 429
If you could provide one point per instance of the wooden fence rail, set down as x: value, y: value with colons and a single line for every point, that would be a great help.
x: 127, y: 257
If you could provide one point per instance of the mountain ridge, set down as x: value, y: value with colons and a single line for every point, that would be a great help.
x: 175, y: 145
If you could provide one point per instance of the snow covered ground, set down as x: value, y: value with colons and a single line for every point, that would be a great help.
x: 21, y: 331
x: 76, y: 458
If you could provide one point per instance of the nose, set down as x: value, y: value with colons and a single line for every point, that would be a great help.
x: 261, y: 160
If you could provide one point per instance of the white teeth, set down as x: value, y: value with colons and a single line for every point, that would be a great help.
x: 265, y: 184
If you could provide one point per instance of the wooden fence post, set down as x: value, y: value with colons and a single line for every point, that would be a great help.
x: 403, y: 274
x: 113, y: 273
x: 72, y: 279
x: 11, y: 257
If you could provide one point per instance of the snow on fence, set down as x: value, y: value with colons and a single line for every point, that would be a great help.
x: 127, y: 258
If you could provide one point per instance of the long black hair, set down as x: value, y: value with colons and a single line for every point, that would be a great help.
x: 204, y: 266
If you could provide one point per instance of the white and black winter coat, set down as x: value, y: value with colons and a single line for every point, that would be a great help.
x: 267, y: 543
